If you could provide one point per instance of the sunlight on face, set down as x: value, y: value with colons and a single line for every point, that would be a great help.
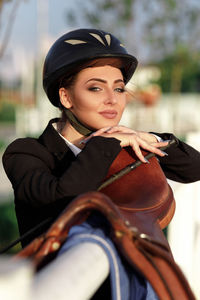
x: 98, y: 97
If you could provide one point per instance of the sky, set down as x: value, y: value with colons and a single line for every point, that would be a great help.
x: 46, y: 17
x: 39, y: 23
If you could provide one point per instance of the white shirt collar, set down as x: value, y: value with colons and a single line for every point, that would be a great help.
x: 74, y: 148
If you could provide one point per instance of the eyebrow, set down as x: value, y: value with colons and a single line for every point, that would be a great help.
x: 104, y: 81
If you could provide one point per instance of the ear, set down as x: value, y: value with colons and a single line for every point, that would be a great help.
x: 65, y: 98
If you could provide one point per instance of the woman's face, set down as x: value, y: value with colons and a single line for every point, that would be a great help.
x: 97, y: 97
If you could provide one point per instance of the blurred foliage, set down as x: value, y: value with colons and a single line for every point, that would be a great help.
x: 173, y: 25
x: 164, y: 33
x: 8, y: 226
x: 156, y: 27
x: 180, y: 72
x: 3, y: 144
x: 110, y: 15
x: 7, y: 112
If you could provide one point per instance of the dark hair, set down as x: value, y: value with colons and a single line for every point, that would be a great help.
x: 69, y: 80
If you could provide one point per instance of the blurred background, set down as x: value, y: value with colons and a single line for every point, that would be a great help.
x: 164, y: 91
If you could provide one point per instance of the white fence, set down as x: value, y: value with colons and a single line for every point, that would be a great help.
x: 184, y: 230
x: 179, y: 114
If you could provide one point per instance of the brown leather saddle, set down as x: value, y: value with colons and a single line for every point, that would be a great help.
x: 142, y: 205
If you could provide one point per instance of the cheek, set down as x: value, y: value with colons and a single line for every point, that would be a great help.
x: 122, y: 103
x: 84, y: 103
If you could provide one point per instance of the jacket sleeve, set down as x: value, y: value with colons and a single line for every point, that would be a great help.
x: 29, y: 167
x: 182, y: 163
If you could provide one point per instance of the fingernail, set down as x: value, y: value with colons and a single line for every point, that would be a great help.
x: 163, y: 152
x: 83, y: 142
x: 108, y: 129
x: 146, y: 161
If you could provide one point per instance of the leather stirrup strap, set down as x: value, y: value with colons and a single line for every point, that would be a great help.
x: 152, y: 258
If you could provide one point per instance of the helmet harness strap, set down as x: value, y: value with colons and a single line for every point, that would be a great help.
x: 77, y: 124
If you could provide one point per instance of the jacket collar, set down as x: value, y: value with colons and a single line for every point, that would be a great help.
x: 52, y: 141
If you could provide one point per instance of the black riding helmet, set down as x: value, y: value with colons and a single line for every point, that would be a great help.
x: 80, y: 46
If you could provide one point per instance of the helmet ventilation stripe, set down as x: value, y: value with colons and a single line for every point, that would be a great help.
x: 75, y: 42
x: 108, y: 39
x: 96, y: 36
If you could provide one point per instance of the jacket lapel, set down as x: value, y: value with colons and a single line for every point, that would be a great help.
x: 53, y: 142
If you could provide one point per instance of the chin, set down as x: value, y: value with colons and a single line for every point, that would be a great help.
x: 102, y: 124
x: 111, y: 123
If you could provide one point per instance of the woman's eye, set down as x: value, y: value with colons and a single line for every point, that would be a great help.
x: 94, y: 89
x: 120, y: 90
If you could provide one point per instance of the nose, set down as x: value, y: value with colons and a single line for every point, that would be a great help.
x: 110, y: 97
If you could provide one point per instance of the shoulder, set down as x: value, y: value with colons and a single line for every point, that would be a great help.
x: 26, y: 147
x: 42, y: 146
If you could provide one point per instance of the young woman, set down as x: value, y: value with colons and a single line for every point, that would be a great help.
x: 85, y: 73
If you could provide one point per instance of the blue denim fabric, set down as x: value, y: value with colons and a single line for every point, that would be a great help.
x: 126, y: 283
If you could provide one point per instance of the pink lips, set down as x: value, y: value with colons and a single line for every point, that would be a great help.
x: 109, y: 114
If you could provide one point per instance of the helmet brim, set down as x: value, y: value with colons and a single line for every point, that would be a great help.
x: 129, y: 65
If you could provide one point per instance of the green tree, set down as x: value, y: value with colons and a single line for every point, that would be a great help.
x: 159, y: 26
x: 154, y: 31
x: 173, y: 33
x: 180, y: 72
x: 8, y: 226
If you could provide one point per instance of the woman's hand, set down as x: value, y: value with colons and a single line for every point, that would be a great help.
x: 135, y: 139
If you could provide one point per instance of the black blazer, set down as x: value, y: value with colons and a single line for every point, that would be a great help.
x: 46, y: 175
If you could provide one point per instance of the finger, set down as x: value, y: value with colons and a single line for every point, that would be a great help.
x: 163, y: 143
x: 160, y: 144
x: 155, y: 150
x: 151, y: 148
x: 96, y: 133
x: 99, y: 132
x: 122, y: 129
x: 104, y: 129
x: 85, y: 140
x: 136, y: 148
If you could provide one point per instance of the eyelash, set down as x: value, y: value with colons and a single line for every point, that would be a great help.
x: 121, y: 90
x: 95, y: 89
